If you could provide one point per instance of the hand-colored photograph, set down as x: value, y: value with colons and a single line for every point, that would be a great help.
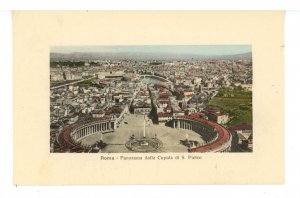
x: 151, y: 99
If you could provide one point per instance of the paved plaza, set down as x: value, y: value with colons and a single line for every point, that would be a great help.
x: 134, y: 125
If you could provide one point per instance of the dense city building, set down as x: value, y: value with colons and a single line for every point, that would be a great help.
x: 96, y: 96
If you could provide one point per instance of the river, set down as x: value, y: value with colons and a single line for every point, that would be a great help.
x: 151, y: 80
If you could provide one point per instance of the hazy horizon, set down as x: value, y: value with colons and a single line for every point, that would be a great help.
x: 203, y: 50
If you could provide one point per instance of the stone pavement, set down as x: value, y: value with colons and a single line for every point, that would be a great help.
x: 169, y: 136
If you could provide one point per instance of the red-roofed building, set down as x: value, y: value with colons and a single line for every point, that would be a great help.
x: 244, y: 135
x: 188, y: 93
x: 160, y: 86
x: 216, y: 115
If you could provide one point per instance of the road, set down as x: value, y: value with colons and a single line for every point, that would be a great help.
x: 71, y: 83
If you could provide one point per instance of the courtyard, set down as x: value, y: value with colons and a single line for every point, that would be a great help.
x: 134, y: 125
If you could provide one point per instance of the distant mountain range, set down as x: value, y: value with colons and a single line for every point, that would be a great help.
x: 76, y: 56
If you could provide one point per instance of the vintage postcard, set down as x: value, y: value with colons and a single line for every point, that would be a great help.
x: 148, y: 97
x: 119, y: 99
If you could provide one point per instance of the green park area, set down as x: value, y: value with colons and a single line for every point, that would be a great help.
x: 236, y: 102
x: 87, y: 82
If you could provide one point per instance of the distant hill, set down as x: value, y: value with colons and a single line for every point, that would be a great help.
x: 142, y: 56
x: 245, y: 56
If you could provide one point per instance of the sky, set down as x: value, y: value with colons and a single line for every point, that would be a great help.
x: 176, y: 49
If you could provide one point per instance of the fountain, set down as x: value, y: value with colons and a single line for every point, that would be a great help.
x: 144, y: 143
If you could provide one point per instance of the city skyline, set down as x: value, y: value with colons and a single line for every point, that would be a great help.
x: 202, y: 50
x: 103, y: 103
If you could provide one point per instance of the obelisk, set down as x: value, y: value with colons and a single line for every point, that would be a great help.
x: 144, y: 127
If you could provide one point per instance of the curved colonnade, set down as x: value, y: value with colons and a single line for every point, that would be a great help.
x: 70, y: 138
x: 216, y: 137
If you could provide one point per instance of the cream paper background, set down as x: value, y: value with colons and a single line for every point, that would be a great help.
x: 35, y: 31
